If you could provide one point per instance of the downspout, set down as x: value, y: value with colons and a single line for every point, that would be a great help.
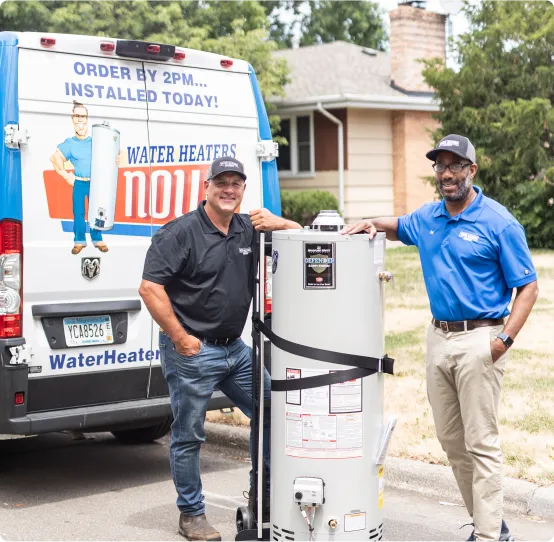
x: 341, y: 153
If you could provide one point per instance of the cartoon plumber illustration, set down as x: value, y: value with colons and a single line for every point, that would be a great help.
x: 92, y: 168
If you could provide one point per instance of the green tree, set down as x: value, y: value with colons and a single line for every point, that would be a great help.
x: 280, y: 31
x: 359, y: 22
x: 502, y: 99
x: 238, y: 29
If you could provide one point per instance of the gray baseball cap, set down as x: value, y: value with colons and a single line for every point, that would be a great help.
x: 226, y: 164
x: 456, y: 144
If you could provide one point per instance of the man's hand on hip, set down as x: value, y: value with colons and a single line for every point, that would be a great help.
x: 498, y: 349
x: 188, y: 346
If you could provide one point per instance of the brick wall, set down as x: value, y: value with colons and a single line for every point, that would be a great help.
x: 415, y: 33
x: 411, y: 140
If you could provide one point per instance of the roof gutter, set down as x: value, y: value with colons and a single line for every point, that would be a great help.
x: 339, y: 124
x: 362, y: 101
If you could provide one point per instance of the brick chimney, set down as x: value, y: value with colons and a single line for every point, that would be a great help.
x: 414, y: 33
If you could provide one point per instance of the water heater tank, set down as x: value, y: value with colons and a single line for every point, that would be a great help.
x: 327, y: 482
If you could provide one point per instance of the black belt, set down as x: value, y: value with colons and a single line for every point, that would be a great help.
x: 466, y: 325
x: 220, y: 341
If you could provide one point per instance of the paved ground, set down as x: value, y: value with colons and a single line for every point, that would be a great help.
x: 54, y: 488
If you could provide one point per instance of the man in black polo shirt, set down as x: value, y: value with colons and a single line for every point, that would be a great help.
x: 197, y: 286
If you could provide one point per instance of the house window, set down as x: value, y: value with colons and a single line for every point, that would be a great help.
x: 297, y: 158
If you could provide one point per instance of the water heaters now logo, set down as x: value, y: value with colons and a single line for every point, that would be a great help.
x: 146, y: 196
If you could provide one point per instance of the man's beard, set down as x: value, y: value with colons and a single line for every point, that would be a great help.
x: 461, y: 193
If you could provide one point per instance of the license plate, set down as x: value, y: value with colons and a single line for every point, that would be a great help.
x: 87, y: 330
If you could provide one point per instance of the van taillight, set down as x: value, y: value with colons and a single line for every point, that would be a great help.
x: 107, y: 46
x: 11, y: 255
x: 47, y: 42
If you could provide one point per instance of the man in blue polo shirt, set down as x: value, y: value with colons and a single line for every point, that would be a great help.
x: 473, y: 253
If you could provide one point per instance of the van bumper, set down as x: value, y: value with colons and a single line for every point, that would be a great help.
x: 15, y: 420
x: 88, y: 418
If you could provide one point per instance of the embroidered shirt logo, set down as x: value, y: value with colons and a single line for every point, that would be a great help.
x: 245, y: 251
x: 469, y: 236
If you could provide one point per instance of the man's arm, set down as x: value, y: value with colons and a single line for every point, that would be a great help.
x: 263, y: 220
x: 58, y: 160
x: 523, y: 303
x: 158, y: 304
x: 371, y: 226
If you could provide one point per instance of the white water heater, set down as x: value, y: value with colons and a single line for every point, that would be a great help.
x: 327, y: 443
x: 103, y: 176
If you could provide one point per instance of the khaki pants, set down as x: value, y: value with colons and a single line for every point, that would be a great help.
x: 463, y: 387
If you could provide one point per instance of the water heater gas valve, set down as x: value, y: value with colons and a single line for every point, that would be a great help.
x: 309, y: 491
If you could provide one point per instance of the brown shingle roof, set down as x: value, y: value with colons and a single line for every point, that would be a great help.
x: 336, y: 68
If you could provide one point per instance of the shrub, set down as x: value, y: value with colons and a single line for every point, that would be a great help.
x: 303, y: 206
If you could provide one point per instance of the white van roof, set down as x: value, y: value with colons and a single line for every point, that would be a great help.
x: 91, y: 46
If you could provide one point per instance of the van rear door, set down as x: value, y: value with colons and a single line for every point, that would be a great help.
x: 82, y: 316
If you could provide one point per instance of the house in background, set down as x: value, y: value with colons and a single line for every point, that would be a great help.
x: 381, y: 106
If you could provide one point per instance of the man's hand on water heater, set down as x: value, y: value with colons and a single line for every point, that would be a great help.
x: 365, y: 226
x: 263, y: 220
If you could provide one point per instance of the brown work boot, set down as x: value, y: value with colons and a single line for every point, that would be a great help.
x: 197, y: 528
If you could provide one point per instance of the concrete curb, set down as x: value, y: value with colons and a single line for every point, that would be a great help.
x: 435, y: 481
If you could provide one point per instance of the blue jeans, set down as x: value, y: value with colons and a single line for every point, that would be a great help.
x: 81, y: 191
x: 191, y: 381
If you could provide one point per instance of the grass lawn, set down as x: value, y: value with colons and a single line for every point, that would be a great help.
x: 527, y: 407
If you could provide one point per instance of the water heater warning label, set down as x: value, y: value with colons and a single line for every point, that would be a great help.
x: 319, y: 266
x: 324, y: 422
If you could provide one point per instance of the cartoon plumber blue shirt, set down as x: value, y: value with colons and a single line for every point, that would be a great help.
x: 79, y: 152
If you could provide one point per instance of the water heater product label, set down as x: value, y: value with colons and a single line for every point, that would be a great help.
x: 319, y: 266
x: 293, y: 397
x: 354, y: 522
x: 346, y: 397
x: 324, y: 422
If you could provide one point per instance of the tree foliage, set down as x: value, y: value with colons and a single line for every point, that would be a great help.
x: 502, y: 98
x: 359, y: 22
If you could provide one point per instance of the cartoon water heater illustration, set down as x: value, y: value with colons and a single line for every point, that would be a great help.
x: 103, y: 177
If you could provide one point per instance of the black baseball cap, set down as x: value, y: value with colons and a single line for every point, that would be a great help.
x: 226, y: 164
x: 456, y: 144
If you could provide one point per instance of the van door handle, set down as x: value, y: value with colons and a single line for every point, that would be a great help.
x: 86, y: 308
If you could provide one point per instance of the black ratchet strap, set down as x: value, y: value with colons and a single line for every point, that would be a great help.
x: 363, y: 365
